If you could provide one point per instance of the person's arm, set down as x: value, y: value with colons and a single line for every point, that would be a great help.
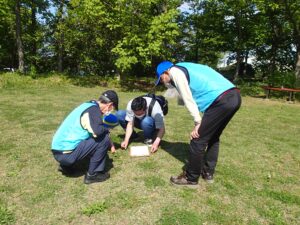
x: 129, y: 130
x: 184, y: 90
x: 159, y: 137
x: 158, y: 116
x: 112, y: 146
x: 91, y: 120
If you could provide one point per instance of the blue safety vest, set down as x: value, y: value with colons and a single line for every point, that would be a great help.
x: 205, y: 83
x: 71, y: 133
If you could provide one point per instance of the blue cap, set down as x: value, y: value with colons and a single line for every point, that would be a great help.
x: 110, y: 120
x: 161, y: 68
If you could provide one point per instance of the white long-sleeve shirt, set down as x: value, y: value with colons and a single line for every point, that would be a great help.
x: 184, y: 91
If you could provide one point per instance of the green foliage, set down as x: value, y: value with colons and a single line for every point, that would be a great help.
x: 101, y: 38
x: 32, y: 72
x: 250, y: 88
x: 144, y: 39
x: 7, y: 44
x: 281, y: 196
x: 16, y: 80
x: 282, y: 79
x: 148, y: 165
x: 6, y: 216
x: 9, y: 80
x: 173, y: 215
x: 273, y: 212
x: 153, y: 181
x: 95, y: 208
x: 126, y: 200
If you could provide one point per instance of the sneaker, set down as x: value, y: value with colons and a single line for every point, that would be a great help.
x: 148, y: 141
x: 66, y: 170
x: 182, y: 180
x: 97, y: 177
x: 208, y: 177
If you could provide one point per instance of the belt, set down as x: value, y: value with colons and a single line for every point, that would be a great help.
x: 226, y: 92
x: 61, y: 152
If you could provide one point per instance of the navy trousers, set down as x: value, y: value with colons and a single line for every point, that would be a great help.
x: 95, y: 149
x: 204, y: 151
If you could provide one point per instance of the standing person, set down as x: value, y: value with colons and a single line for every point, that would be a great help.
x: 138, y: 115
x: 83, y: 134
x: 207, y: 91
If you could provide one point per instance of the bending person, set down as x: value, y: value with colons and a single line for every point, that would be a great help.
x: 202, y: 90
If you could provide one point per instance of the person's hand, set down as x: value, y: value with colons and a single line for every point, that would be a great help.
x: 154, y: 146
x: 113, y: 149
x: 195, y: 133
x: 124, y: 144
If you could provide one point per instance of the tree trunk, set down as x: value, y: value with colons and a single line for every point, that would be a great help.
x: 293, y: 19
x: 238, y: 65
x: 275, y: 39
x: 60, y: 39
x: 238, y: 52
x: 18, y: 37
x: 297, y: 70
x: 33, y: 31
x: 60, y: 53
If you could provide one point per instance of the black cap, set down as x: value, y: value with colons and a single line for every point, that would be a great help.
x: 112, y: 96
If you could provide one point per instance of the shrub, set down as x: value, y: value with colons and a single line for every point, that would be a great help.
x: 282, y: 79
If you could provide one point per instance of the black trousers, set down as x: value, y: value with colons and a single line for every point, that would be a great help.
x: 204, y: 151
x: 95, y: 149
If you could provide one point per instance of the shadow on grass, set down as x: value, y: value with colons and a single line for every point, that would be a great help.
x: 80, y: 168
x: 178, y: 150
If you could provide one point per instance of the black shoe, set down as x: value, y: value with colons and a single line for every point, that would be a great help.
x: 66, y: 170
x: 208, y: 177
x: 97, y: 177
x: 183, y: 181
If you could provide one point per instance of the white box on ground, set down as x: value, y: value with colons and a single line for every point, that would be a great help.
x: 139, y: 150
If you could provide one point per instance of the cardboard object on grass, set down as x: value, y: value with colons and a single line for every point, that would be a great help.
x: 142, y: 150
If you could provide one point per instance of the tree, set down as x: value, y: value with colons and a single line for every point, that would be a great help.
x: 202, y: 29
x: 239, y: 20
x: 19, y: 36
x: 220, y: 26
x: 57, y: 31
x: 37, y: 11
x: 7, y: 35
x: 277, y: 50
x: 148, y: 32
x: 292, y: 14
x: 105, y: 36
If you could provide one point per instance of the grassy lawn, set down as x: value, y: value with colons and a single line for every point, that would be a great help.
x: 257, y: 179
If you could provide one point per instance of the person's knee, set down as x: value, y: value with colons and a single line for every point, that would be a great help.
x: 147, y: 122
x: 121, y: 114
x: 103, y: 143
x: 67, y: 161
x: 198, y: 145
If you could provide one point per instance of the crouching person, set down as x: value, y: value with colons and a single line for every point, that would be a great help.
x: 145, y: 114
x: 82, y: 134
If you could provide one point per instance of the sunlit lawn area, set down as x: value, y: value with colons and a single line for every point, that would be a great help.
x: 257, y: 179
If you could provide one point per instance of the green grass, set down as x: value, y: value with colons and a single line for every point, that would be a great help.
x: 256, y: 181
